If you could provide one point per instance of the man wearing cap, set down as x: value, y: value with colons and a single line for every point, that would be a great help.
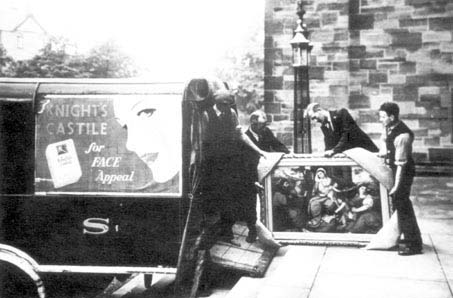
x: 340, y: 131
x: 222, y: 166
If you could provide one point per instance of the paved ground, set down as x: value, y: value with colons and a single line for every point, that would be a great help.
x: 323, y: 272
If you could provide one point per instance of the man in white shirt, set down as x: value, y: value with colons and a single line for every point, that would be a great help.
x: 398, y: 140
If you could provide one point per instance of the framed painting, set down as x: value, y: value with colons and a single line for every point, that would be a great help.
x: 319, y: 200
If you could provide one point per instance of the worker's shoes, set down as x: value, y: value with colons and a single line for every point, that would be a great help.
x: 407, y: 250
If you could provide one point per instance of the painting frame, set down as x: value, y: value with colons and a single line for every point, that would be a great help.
x: 318, y: 238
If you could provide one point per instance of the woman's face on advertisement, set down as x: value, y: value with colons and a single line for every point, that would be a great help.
x: 152, y: 127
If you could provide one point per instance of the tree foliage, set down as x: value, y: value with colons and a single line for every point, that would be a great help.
x: 108, y: 62
x: 7, y: 64
x: 245, y: 73
x: 243, y: 69
x: 49, y: 63
x: 53, y: 61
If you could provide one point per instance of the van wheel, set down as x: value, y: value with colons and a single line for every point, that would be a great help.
x: 14, y: 283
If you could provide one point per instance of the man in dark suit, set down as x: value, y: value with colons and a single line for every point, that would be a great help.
x: 265, y: 140
x: 223, y: 175
x: 340, y: 131
x: 261, y: 135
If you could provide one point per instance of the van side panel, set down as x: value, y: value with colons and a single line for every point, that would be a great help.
x: 86, y: 231
x: 78, y: 229
x: 16, y: 147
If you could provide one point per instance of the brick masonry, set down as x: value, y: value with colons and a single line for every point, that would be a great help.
x: 366, y: 52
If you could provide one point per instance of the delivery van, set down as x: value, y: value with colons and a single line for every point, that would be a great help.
x: 99, y: 176
x: 93, y: 176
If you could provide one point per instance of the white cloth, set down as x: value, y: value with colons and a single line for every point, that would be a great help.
x: 267, y: 165
x: 388, y: 236
x: 372, y: 164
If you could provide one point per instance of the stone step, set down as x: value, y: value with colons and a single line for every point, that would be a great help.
x: 291, y: 274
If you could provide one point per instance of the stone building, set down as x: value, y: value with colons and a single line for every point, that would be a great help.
x: 366, y: 52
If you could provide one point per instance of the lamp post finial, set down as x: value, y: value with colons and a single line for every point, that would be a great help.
x: 300, y: 11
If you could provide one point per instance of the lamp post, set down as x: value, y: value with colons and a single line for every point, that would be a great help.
x: 301, y: 48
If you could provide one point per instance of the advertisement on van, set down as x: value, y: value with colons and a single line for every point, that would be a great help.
x: 109, y: 145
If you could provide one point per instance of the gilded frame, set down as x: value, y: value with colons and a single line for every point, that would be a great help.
x: 318, y: 238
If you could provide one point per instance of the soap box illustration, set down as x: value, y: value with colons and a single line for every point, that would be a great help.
x: 63, y: 163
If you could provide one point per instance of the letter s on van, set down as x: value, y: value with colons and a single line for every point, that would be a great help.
x: 96, y: 226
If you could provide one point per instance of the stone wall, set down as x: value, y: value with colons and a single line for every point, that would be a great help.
x: 366, y: 52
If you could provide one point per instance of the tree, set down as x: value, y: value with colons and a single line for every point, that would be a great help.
x: 53, y: 61
x: 49, y: 63
x: 245, y: 73
x: 7, y: 64
x: 243, y: 70
x: 107, y: 61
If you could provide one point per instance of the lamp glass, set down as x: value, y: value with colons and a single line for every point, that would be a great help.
x: 300, y: 55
